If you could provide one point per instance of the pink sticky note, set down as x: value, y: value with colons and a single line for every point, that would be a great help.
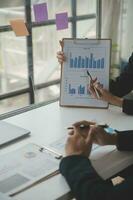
x: 61, y: 21
x: 41, y: 12
x: 19, y: 27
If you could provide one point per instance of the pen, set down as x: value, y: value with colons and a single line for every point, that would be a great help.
x: 97, y: 94
x: 82, y: 126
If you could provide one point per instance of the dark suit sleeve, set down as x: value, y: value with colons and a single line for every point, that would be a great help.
x: 127, y: 106
x: 125, y: 140
x: 86, y: 184
x: 124, y: 83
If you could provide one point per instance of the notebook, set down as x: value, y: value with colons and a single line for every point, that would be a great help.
x: 10, y: 133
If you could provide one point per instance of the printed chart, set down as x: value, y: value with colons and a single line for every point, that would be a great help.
x: 84, y: 55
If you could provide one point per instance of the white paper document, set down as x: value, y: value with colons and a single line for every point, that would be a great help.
x: 58, y: 146
x: 24, y: 167
x: 4, y: 197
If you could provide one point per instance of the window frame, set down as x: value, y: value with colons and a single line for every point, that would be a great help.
x: 73, y: 19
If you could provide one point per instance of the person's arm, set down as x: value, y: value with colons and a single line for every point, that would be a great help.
x: 86, y: 184
x: 104, y: 94
x: 82, y: 178
x: 127, y: 106
x: 122, y: 139
x: 125, y: 140
x: 124, y: 83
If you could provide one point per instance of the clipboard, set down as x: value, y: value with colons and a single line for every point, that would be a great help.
x: 82, y: 55
x: 25, y: 167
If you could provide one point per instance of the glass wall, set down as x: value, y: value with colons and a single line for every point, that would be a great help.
x: 16, y: 65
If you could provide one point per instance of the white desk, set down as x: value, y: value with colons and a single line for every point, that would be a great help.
x: 47, y: 124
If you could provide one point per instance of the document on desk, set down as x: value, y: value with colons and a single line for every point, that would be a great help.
x: 106, y: 160
x: 24, y: 167
x: 58, y: 146
x: 4, y: 197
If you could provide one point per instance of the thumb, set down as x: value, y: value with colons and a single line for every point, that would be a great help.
x: 89, y: 137
x: 61, y: 43
x: 99, y: 88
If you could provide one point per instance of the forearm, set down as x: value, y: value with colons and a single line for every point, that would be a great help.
x: 125, y: 140
x: 83, y: 180
x: 116, y: 101
x: 122, y: 139
x: 86, y: 184
x: 127, y: 106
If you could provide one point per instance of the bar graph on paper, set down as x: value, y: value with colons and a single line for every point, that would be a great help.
x: 79, y: 89
x: 79, y: 58
x: 87, y: 60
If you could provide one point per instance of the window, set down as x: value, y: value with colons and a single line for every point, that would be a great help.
x: 35, y: 56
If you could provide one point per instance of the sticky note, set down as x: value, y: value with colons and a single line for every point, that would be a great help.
x: 40, y: 12
x: 61, y: 21
x: 19, y: 27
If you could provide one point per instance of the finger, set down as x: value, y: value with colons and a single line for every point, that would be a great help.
x: 82, y: 131
x: 92, y: 91
x: 61, y: 43
x: 60, y: 53
x: 90, y: 137
x: 76, y: 131
x: 93, y: 81
x: 84, y: 122
x: 71, y: 132
x: 69, y: 139
x: 60, y: 61
x: 61, y: 57
x: 92, y: 88
x: 98, y: 85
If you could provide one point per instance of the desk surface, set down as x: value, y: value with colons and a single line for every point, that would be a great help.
x: 47, y: 124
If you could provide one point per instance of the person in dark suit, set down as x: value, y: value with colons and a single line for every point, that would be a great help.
x: 118, y: 88
x: 82, y: 178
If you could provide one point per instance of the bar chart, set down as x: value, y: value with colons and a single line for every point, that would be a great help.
x: 87, y: 62
x: 79, y: 89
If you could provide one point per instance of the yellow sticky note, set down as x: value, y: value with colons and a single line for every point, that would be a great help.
x: 19, y: 27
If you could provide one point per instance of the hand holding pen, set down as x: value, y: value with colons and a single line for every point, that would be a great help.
x: 92, y: 87
x: 97, y: 133
x: 84, y: 126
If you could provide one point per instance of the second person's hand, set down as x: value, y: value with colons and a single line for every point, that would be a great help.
x: 79, y: 141
x: 101, y: 137
x: 60, y: 57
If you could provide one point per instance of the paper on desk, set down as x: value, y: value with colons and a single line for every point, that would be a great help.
x: 25, y: 166
x: 108, y: 161
x: 58, y: 146
x: 4, y: 197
